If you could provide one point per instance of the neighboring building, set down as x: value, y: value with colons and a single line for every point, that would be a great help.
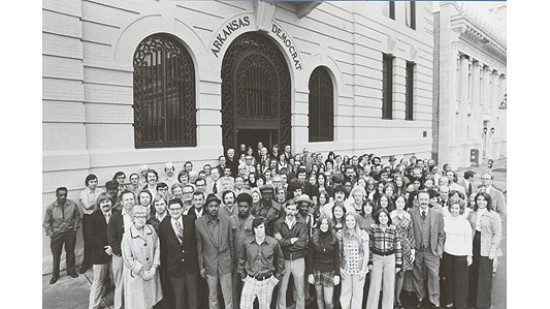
x: 469, y: 82
x: 128, y: 83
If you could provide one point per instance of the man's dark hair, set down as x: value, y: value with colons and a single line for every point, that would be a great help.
x: 89, y: 178
x: 226, y: 192
x: 144, y: 191
x: 469, y: 174
x: 175, y: 201
x: 244, y: 197
x: 198, y: 192
x: 126, y: 192
x: 61, y: 189
x: 200, y: 179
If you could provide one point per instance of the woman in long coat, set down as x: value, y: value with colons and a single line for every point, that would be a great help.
x: 141, y: 254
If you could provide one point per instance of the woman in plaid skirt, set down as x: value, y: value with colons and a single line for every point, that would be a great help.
x: 323, y: 266
x: 403, y: 222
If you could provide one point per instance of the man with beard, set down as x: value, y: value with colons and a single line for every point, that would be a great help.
x: 292, y: 237
x: 170, y: 178
x: 340, y: 195
x: 228, y: 209
x: 241, y: 224
x: 215, y: 250
x: 429, y: 237
x: 268, y: 209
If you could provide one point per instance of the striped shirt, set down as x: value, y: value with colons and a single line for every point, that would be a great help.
x: 384, y: 242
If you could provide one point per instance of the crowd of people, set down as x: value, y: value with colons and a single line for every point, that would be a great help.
x: 343, y: 232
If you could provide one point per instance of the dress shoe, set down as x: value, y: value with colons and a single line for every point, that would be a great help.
x: 419, y: 303
x: 54, y: 279
x: 74, y: 275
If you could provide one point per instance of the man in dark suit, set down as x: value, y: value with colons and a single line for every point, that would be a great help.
x: 120, y: 222
x: 178, y: 255
x: 498, y: 201
x: 429, y: 238
x: 215, y: 250
x: 99, y: 246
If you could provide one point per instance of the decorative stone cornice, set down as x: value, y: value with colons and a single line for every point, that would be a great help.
x: 475, y: 29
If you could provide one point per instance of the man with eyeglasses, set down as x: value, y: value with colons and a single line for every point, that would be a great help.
x: 187, y: 198
x: 178, y: 255
x: 498, y: 202
x: 200, y: 184
x: 162, y: 190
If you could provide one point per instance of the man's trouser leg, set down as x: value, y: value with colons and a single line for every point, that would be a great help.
x: 87, y: 261
x: 118, y: 267
x: 56, y: 244
x: 70, y: 243
x: 419, y: 269
x: 298, y: 268
x: 432, y: 262
x: 283, y: 285
x: 100, y: 271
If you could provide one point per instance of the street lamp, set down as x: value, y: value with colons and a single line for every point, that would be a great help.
x: 492, y: 130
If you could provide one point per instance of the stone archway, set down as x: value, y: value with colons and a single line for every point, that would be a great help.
x: 256, y: 92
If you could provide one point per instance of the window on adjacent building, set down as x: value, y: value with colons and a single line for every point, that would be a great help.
x: 321, y: 106
x: 409, y: 96
x: 387, y: 86
x: 410, y: 14
x: 392, y: 9
x: 164, y: 94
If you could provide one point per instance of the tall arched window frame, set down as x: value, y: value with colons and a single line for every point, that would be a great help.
x: 164, y: 94
x: 321, y: 106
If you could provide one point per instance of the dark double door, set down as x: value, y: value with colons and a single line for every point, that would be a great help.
x: 256, y: 98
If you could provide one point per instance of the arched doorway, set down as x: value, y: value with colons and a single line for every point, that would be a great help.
x: 256, y: 96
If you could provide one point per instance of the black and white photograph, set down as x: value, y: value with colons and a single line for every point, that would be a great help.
x: 273, y: 154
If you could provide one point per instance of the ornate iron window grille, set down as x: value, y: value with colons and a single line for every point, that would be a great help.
x: 321, y: 106
x: 164, y: 94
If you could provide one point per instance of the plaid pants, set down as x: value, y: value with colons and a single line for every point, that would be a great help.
x: 262, y: 289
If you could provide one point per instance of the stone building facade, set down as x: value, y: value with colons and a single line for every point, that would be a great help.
x: 93, y: 50
x: 469, y: 84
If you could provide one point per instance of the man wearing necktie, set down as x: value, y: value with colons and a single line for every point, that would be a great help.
x: 178, y: 257
x: 429, y: 238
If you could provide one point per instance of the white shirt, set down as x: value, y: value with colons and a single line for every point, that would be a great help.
x: 458, y: 236
x: 290, y: 223
x: 127, y: 220
x: 160, y: 218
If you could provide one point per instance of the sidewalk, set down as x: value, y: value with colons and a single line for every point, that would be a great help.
x: 70, y: 293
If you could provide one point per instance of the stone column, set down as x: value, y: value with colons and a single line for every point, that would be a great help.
x: 476, y: 125
x: 463, y: 111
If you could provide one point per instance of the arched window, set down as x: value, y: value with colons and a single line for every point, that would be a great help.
x: 321, y: 106
x: 164, y: 94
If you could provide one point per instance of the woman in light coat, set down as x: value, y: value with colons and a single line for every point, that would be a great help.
x: 141, y: 254
x: 487, y: 227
